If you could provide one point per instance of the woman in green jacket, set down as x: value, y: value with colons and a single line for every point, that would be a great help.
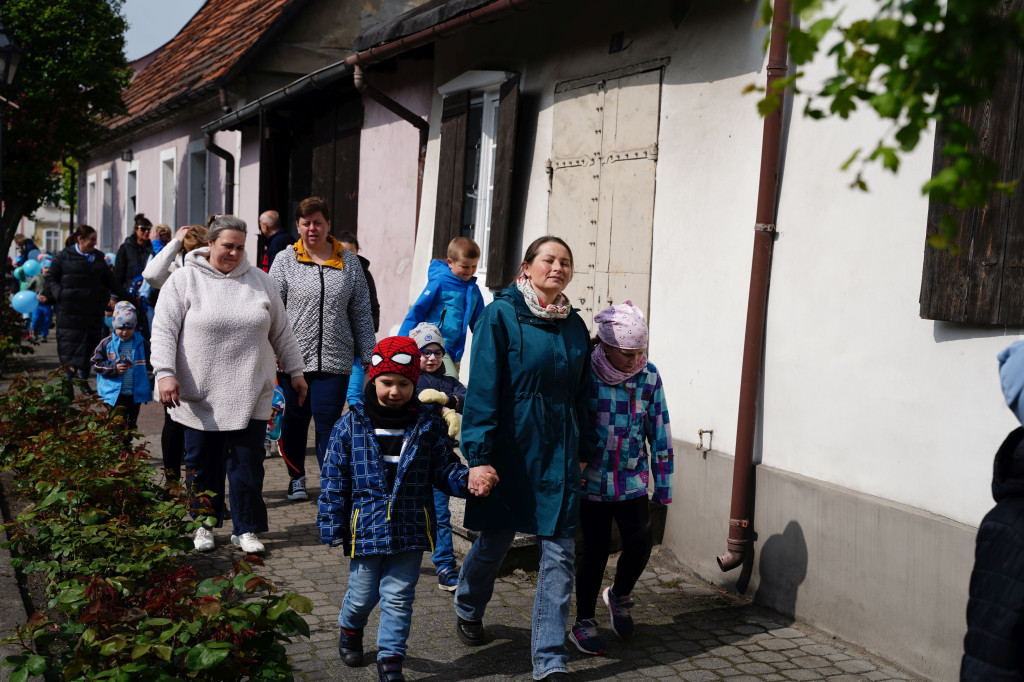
x: 526, y: 402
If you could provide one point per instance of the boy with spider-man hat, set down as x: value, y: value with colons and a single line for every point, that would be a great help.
x: 383, y: 461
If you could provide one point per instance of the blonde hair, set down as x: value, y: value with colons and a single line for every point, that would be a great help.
x: 195, y: 237
x: 164, y: 232
x: 463, y: 247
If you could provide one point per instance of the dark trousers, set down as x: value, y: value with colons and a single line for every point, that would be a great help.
x: 324, y: 403
x: 130, y: 409
x: 209, y: 456
x: 633, y: 518
x: 172, y: 445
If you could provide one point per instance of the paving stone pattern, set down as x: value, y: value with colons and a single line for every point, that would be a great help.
x: 686, y: 628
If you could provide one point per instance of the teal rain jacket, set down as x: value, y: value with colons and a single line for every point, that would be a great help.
x: 529, y: 384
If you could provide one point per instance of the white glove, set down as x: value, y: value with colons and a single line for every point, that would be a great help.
x: 454, y: 421
x: 429, y: 395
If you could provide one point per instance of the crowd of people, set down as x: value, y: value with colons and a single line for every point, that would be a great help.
x: 559, y: 433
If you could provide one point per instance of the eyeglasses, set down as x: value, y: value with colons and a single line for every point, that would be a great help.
x: 432, y: 353
x: 144, y: 229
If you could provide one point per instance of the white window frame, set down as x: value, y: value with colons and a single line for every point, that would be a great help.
x: 197, y: 148
x: 106, y: 212
x: 51, y: 240
x: 484, y: 88
x: 169, y: 217
x: 129, y: 212
x: 90, y: 200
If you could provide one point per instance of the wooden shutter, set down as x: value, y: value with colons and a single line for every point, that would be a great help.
x: 984, y: 283
x: 501, y: 196
x: 451, y: 168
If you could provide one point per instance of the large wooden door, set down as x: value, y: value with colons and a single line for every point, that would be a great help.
x: 603, y: 162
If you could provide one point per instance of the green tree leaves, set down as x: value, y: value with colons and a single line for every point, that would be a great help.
x: 917, y: 63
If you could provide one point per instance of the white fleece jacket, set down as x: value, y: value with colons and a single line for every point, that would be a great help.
x: 217, y: 335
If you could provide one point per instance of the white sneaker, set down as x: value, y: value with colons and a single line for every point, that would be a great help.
x: 249, y: 543
x: 203, y: 539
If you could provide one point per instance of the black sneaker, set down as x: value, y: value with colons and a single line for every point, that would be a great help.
x: 584, y: 635
x: 297, y: 489
x: 390, y: 669
x: 620, y: 609
x: 471, y: 632
x: 350, y: 647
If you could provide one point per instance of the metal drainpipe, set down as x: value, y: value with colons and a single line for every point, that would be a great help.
x: 359, y: 81
x: 757, y: 304
x: 229, y: 172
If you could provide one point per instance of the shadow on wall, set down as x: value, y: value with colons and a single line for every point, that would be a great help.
x: 782, y: 568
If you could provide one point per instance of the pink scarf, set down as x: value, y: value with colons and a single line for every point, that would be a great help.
x: 606, y: 371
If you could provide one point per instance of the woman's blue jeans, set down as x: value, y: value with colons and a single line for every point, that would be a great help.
x: 209, y: 456
x: 324, y: 403
x: 391, y: 580
x: 550, y: 605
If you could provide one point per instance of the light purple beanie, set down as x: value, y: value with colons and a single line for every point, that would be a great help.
x: 622, y: 326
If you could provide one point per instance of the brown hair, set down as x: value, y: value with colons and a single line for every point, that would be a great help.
x: 534, y: 247
x: 463, y: 247
x: 311, y: 205
x: 195, y: 237
x: 80, y: 232
x: 142, y: 221
x: 164, y: 232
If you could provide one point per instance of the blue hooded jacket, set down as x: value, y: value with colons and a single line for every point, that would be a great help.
x: 453, y: 305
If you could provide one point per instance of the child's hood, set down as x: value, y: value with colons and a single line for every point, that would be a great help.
x: 439, y: 270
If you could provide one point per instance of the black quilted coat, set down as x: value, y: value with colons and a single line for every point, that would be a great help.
x: 81, y: 290
x: 994, y: 645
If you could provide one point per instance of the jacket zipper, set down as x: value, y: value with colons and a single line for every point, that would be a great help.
x: 320, y: 331
x: 355, y: 517
x: 430, y: 537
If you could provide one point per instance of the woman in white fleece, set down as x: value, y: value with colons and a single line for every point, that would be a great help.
x: 218, y: 325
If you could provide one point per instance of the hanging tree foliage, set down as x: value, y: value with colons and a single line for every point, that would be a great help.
x: 916, y: 63
x: 72, y: 73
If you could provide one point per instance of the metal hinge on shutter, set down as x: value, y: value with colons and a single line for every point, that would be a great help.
x: 551, y: 165
x: 650, y: 152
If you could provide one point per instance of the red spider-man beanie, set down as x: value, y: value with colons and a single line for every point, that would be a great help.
x: 396, y: 355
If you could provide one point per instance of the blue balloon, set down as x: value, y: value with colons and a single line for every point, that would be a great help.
x: 31, y: 268
x: 24, y: 302
x: 31, y: 255
x: 110, y: 258
x: 109, y: 321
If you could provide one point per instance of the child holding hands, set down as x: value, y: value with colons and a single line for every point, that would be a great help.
x: 628, y: 412
x: 384, y: 458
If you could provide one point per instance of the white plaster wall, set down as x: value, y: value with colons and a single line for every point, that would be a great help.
x: 247, y: 175
x: 858, y: 390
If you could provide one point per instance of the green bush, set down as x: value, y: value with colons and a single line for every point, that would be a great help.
x: 109, y: 542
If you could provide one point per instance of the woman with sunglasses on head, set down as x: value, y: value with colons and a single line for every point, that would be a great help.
x: 129, y: 263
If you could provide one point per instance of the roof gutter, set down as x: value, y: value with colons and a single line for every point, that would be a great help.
x: 742, y: 506
x: 329, y: 74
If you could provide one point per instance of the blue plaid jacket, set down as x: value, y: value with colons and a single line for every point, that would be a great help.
x: 356, y: 508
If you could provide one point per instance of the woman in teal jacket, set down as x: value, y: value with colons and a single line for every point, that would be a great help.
x: 526, y: 403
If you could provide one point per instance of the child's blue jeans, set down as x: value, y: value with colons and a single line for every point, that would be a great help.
x: 390, y: 580
x: 444, y: 553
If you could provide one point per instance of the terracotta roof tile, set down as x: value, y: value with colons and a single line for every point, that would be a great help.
x: 210, y: 48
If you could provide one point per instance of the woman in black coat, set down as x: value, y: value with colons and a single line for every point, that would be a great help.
x: 81, y: 284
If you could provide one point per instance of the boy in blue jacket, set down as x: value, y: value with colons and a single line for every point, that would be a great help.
x: 120, y: 364
x: 384, y: 458
x: 451, y: 301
